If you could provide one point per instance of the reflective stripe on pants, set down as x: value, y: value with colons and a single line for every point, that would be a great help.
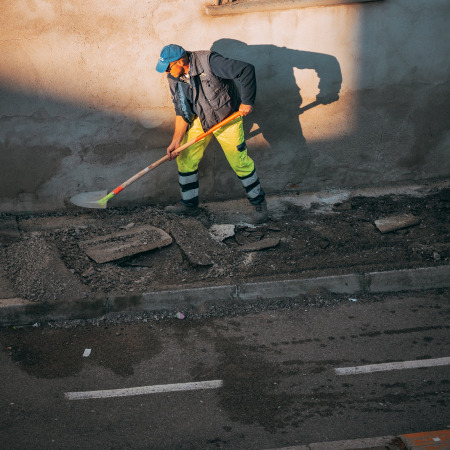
x: 231, y: 139
x: 189, y: 188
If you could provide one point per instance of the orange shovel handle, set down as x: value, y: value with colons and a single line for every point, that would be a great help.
x: 206, y: 133
x: 165, y: 158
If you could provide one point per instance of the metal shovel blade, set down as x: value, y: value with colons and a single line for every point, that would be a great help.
x: 90, y: 199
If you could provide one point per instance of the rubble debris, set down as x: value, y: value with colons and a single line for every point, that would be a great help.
x: 249, y: 236
x: 124, y: 244
x: 222, y: 232
x: 263, y: 244
x: 436, y: 251
x: 394, y: 223
x: 355, y: 244
x: 86, y: 352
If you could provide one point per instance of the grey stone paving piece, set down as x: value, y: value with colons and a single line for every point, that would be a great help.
x: 249, y: 237
x: 124, y: 244
x: 263, y: 244
x: 195, y: 241
x: 394, y: 223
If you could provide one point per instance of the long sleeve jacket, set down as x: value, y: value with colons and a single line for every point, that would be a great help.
x: 210, y: 91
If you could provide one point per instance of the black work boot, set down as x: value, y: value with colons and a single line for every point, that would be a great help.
x: 261, y: 213
x: 182, y: 210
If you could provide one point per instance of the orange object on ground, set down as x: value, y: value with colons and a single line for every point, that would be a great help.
x: 431, y: 440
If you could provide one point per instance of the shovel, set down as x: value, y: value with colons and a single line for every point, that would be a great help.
x: 99, y: 199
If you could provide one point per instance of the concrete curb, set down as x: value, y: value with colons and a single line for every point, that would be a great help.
x: 17, y: 311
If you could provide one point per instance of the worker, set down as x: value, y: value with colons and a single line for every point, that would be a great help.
x: 203, y: 90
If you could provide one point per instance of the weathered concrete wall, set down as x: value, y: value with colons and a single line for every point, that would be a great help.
x: 82, y: 108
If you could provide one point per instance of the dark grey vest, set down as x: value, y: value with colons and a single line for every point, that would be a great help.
x: 215, y: 98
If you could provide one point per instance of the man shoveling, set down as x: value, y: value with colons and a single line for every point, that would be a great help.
x: 204, y: 93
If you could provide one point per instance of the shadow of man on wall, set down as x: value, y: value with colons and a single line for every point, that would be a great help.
x: 279, y: 104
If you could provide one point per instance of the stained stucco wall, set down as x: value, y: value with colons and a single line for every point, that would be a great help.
x: 82, y: 108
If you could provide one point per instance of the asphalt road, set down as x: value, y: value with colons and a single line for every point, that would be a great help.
x: 274, y: 378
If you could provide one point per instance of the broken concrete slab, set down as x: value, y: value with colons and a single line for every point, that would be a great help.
x: 394, y: 223
x: 124, y: 244
x: 249, y: 236
x: 263, y: 244
x: 37, y: 272
x: 195, y: 241
x: 222, y: 231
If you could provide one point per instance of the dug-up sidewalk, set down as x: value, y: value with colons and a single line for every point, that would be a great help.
x: 83, y: 264
x: 430, y: 440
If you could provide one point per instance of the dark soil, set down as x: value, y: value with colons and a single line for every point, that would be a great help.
x: 312, y: 242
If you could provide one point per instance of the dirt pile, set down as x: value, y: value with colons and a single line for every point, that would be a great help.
x: 38, y: 273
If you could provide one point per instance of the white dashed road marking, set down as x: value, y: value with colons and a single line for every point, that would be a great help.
x: 393, y: 366
x: 143, y: 390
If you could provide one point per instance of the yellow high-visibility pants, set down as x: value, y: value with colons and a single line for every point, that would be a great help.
x: 231, y: 139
